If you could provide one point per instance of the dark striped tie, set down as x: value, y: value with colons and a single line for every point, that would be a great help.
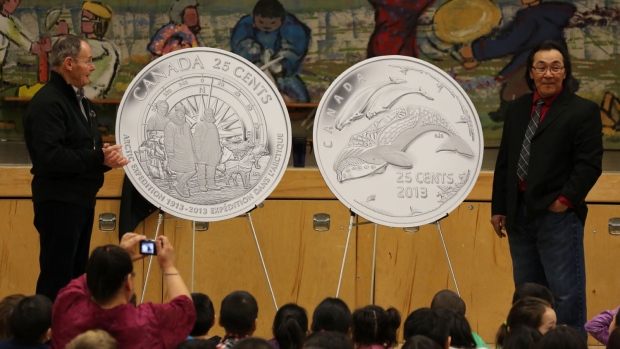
x: 80, y: 97
x: 524, y: 157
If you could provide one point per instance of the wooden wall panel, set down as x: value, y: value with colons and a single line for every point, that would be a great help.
x: 303, y: 265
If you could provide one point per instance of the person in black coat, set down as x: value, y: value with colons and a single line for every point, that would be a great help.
x: 68, y: 161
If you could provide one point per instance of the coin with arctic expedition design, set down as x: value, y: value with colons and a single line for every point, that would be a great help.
x: 206, y: 132
x: 398, y: 141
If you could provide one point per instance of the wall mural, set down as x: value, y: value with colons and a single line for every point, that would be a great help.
x: 304, y: 45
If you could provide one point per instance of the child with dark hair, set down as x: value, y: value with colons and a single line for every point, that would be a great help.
x: 290, y: 327
x: 30, y: 323
x: 328, y: 340
x: 562, y: 337
x: 253, y: 343
x: 522, y: 337
x: 238, y: 314
x: 332, y: 314
x: 420, y: 342
x: 529, y: 312
x: 458, y: 328
x: 447, y: 299
x: 375, y: 328
x: 6, y: 309
x: 197, y: 344
x: 427, y: 322
x: 530, y: 289
x: 614, y: 339
x: 602, y: 325
x: 205, y: 318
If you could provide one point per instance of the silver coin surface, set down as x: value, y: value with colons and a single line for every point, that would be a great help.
x: 398, y: 141
x: 206, y: 132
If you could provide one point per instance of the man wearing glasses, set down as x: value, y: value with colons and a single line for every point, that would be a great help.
x: 549, y: 158
x: 68, y: 161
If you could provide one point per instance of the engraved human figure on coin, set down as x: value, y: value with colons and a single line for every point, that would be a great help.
x: 207, y: 133
x: 398, y: 141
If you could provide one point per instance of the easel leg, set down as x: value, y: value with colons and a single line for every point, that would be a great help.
x: 346, y: 248
x: 262, y: 260
x: 445, y: 249
x: 374, y: 263
x: 160, y: 219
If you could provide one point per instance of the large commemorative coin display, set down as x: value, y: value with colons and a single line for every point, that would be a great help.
x: 398, y: 141
x: 206, y: 132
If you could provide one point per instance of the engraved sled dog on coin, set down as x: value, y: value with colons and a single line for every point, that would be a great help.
x: 206, y: 132
x: 398, y: 141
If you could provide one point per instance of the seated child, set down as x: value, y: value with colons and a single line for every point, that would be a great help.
x: 30, y: 323
x: 238, y: 314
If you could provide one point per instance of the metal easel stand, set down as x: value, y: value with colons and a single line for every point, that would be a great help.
x: 160, y: 219
x: 374, y: 257
x: 260, y: 253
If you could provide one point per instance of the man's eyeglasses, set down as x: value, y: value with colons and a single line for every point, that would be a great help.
x: 89, y: 62
x: 553, y: 70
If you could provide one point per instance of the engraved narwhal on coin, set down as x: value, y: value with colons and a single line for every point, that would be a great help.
x: 386, y: 140
x: 398, y: 141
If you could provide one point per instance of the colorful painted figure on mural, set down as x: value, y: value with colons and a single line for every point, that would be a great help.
x: 183, y: 31
x: 12, y: 32
x: 396, y: 24
x: 278, y: 41
x: 536, y: 22
x: 96, y: 18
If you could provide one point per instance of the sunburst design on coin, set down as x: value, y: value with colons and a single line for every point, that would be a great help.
x: 402, y: 132
x: 207, y: 134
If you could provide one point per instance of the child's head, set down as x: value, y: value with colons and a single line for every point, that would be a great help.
x: 197, y: 344
x: 420, y: 342
x: 562, y: 337
x: 530, y: 289
x: 328, y: 340
x: 447, y: 299
x: 614, y: 339
x: 31, y: 320
x: 93, y: 339
x: 332, y: 314
x: 7, y: 304
x: 290, y: 326
x: 205, y: 314
x: 530, y: 312
x: 521, y: 337
x: 253, y: 343
x: 238, y: 313
x: 373, y: 325
x: 458, y: 328
x: 427, y: 322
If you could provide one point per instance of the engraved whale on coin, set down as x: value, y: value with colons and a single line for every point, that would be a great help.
x: 206, y: 132
x: 398, y: 141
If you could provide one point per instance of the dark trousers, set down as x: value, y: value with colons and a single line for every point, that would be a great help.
x: 549, y: 251
x: 64, y: 233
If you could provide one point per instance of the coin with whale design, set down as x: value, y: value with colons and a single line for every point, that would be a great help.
x: 398, y: 141
x: 206, y: 132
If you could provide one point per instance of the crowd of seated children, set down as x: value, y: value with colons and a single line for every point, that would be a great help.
x: 95, y: 311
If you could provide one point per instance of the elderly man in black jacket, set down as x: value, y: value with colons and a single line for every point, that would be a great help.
x: 68, y: 161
